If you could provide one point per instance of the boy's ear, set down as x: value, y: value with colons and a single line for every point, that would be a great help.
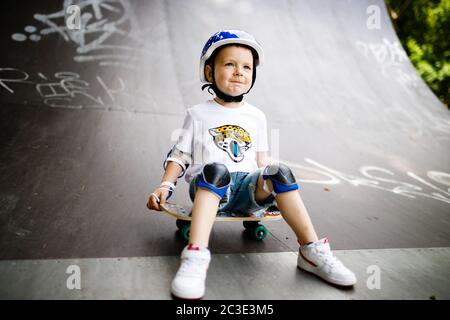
x: 208, y: 73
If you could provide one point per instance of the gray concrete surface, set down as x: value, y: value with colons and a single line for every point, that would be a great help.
x: 401, y: 274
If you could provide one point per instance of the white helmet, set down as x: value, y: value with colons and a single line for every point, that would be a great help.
x: 224, y: 37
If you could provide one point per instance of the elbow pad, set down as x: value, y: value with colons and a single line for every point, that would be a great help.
x: 180, y: 157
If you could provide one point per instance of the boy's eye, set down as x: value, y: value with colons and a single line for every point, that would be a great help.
x: 228, y: 64
x: 247, y: 67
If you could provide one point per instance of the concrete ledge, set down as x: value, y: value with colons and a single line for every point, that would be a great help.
x: 417, y: 273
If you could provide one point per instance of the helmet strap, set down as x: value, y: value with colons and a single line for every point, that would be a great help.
x: 225, y: 97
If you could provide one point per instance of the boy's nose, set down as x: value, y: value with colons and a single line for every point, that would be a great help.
x: 238, y: 71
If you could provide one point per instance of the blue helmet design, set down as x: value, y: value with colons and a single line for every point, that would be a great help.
x: 219, y: 36
x: 224, y: 37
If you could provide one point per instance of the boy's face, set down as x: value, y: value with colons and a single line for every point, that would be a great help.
x: 233, y: 70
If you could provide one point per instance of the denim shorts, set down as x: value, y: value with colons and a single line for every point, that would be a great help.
x: 239, y: 199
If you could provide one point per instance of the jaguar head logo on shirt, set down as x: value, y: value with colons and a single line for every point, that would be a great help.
x: 232, y: 139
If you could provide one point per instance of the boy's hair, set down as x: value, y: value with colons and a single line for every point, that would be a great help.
x: 212, y: 60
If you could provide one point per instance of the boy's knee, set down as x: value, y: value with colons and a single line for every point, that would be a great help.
x: 281, y: 176
x: 216, y: 178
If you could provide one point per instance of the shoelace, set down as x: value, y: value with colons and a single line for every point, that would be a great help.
x: 193, y: 267
x: 328, y: 258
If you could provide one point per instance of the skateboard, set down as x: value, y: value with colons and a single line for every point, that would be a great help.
x: 251, y: 224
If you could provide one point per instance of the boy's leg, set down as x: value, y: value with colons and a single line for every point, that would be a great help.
x: 204, y: 212
x: 315, y: 255
x: 293, y: 210
x: 211, y: 186
x: 189, y: 282
x: 206, y: 191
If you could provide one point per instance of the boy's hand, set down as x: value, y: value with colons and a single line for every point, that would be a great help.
x: 158, y: 197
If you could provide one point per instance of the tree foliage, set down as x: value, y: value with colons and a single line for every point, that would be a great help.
x: 423, y: 28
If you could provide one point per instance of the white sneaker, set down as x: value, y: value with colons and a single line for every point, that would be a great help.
x: 189, y: 282
x: 317, y: 258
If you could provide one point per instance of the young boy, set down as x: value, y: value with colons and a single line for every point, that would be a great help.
x: 223, y: 150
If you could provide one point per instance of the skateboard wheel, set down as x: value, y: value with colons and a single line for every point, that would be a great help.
x: 260, y: 232
x: 185, y: 232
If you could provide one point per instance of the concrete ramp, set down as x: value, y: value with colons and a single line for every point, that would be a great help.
x: 87, y: 117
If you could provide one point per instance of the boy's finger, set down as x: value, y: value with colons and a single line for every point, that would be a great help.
x: 150, y: 204
x: 162, y: 199
x: 155, y: 197
x: 153, y: 202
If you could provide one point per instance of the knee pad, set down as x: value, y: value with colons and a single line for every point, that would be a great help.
x: 216, y: 178
x: 282, y: 178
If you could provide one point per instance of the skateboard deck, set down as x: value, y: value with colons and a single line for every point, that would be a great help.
x: 184, y: 213
x: 251, y: 224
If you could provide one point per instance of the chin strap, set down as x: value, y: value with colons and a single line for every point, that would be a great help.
x: 225, y: 97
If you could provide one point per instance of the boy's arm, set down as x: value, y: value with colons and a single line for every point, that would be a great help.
x: 172, y: 172
x: 164, y: 191
x: 262, y: 159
